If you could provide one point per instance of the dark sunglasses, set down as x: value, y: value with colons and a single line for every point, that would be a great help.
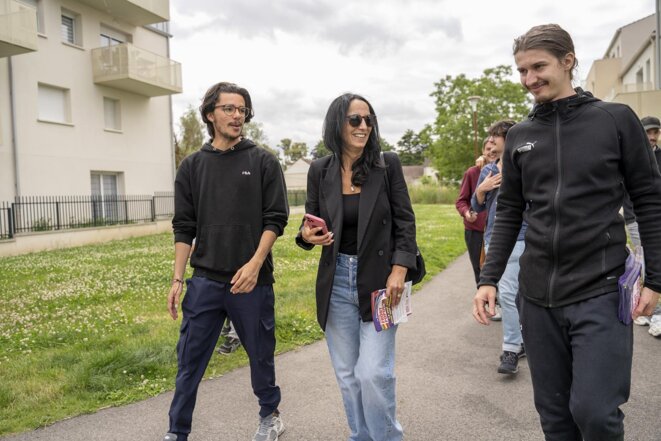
x: 355, y: 120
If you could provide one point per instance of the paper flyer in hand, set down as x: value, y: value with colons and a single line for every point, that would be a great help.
x: 629, y: 285
x: 384, y: 314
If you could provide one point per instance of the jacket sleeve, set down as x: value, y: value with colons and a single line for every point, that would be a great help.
x: 476, y: 206
x: 463, y: 202
x: 403, y: 218
x: 509, y: 216
x: 643, y: 182
x: 184, y: 222
x: 275, y: 208
x: 311, y: 202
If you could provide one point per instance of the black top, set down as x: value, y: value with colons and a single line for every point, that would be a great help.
x: 226, y: 200
x: 349, y: 241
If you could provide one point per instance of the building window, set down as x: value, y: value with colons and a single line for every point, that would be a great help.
x: 54, y: 104
x: 38, y: 5
x: 112, y: 37
x: 70, y: 28
x: 105, y: 205
x: 112, y: 114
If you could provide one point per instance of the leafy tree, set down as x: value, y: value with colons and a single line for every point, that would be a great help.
x: 385, y: 145
x: 412, y: 146
x: 255, y: 133
x: 293, y: 151
x: 320, y: 150
x: 191, y: 135
x: 452, y: 148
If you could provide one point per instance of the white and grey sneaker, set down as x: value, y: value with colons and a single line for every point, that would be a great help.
x: 642, y: 320
x: 270, y: 427
x: 170, y: 437
x: 655, y: 325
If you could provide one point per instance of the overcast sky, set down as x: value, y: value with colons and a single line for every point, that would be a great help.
x: 296, y: 56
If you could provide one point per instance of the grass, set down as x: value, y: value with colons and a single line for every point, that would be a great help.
x: 86, y: 328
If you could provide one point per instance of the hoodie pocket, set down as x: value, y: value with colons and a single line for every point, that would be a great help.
x: 224, y: 247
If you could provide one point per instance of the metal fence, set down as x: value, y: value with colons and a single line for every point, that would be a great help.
x: 296, y: 197
x: 29, y: 214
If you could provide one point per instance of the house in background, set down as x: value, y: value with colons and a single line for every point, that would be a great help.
x: 296, y: 175
x: 85, y: 105
x: 626, y: 74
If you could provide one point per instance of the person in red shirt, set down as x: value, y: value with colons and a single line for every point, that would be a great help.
x: 473, y: 222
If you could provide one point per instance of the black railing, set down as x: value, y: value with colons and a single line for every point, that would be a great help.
x: 6, y: 221
x: 30, y: 214
x: 296, y: 197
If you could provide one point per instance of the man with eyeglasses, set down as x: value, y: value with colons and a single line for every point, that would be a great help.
x: 231, y: 197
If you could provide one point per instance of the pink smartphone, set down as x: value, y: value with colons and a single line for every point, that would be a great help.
x: 313, y: 221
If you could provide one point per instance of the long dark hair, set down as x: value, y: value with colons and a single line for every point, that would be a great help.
x: 211, y: 98
x: 332, y: 134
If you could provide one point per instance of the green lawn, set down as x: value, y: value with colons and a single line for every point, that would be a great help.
x: 86, y: 328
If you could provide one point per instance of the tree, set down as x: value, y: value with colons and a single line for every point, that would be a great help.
x: 293, y: 151
x: 320, y: 150
x: 452, y: 150
x: 412, y: 146
x: 385, y: 145
x: 255, y: 133
x: 191, y: 135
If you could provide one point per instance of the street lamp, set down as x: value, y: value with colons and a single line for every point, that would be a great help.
x: 473, y: 100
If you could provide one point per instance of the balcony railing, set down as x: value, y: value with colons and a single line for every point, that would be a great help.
x: 136, y: 70
x: 136, y: 12
x: 18, y: 28
x: 629, y: 88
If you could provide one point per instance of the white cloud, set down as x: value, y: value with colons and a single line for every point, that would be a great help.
x: 296, y: 56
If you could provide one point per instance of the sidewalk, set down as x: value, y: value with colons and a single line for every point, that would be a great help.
x: 447, y: 387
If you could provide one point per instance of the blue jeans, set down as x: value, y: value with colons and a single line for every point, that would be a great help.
x: 363, y: 359
x: 508, y: 288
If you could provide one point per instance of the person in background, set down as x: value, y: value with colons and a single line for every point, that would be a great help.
x: 651, y: 124
x: 485, y: 200
x: 474, y: 223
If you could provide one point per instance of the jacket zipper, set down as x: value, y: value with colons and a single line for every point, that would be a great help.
x: 556, y: 197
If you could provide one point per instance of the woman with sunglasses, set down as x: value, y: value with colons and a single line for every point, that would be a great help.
x: 369, y: 245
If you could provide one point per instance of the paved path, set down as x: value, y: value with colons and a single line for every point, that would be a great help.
x: 448, y: 388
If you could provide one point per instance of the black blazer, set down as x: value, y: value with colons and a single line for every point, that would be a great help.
x: 386, y: 228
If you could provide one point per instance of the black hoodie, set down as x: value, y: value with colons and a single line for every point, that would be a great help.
x: 226, y: 200
x: 570, y: 162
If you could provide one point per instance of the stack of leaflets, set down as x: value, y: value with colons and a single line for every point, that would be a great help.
x: 629, y: 285
x: 384, y: 314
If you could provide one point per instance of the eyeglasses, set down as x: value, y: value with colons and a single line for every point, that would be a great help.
x: 355, y: 120
x: 229, y: 109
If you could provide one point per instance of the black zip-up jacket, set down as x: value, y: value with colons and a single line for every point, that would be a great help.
x: 570, y: 162
x: 226, y: 200
x: 627, y: 206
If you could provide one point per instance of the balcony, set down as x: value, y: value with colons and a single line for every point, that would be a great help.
x: 136, y: 12
x: 18, y: 28
x: 135, y: 70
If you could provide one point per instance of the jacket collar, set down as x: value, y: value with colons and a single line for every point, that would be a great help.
x: 565, y: 107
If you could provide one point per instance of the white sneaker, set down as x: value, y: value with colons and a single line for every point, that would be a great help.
x: 270, y: 428
x: 642, y: 320
x: 655, y: 329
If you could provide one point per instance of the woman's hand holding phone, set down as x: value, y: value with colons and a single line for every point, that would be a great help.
x: 314, y: 231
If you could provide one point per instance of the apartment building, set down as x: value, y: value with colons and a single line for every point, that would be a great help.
x: 85, y: 92
x: 626, y: 74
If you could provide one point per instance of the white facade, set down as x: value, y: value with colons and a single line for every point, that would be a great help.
x: 78, y: 121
